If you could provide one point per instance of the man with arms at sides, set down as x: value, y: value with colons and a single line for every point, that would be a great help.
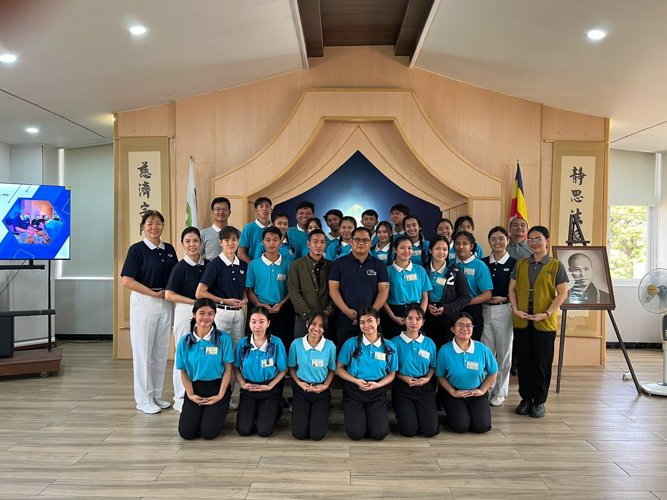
x: 332, y: 219
x: 298, y: 235
x: 250, y: 245
x: 396, y: 215
x: 518, y: 245
x: 221, y: 209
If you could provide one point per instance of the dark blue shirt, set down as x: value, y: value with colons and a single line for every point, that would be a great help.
x: 150, y: 266
x: 185, y: 277
x: 500, y: 274
x: 225, y: 279
x: 359, y: 281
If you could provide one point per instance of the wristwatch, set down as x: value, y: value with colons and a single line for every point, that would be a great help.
x: 547, y: 313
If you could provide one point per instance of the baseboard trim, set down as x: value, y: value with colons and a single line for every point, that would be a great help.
x: 635, y: 345
x: 103, y: 337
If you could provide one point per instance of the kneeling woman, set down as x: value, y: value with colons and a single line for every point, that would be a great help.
x: 466, y: 370
x: 205, y: 358
x: 367, y: 364
x: 412, y: 394
x: 312, y: 361
x: 260, y: 364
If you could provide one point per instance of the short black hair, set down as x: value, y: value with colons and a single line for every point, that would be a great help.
x: 220, y: 199
x: 360, y: 228
x: 278, y: 215
x: 370, y: 211
x: 316, y: 232
x: 540, y: 229
x: 229, y: 231
x: 271, y: 230
x: 401, y: 207
x: 306, y: 204
x: 333, y: 211
x: 498, y: 229
x: 461, y: 220
x: 189, y: 230
x: 263, y: 199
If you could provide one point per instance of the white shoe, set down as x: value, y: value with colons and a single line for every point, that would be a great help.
x: 162, y: 403
x: 233, y: 404
x: 178, y: 406
x: 149, y: 408
x: 497, y: 400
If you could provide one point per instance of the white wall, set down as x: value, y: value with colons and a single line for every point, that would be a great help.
x: 4, y: 162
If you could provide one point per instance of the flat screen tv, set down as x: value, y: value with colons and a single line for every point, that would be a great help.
x: 35, y: 222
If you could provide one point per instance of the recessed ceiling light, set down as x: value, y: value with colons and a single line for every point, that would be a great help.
x: 32, y: 130
x: 137, y: 30
x: 596, y: 34
x: 7, y: 58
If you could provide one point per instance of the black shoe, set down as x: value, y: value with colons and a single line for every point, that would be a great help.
x: 524, y: 407
x: 537, y: 411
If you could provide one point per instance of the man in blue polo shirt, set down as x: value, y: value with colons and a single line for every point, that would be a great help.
x: 298, y: 235
x: 357, y: 280
x: 250, y: 246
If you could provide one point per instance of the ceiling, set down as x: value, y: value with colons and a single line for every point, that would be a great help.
x: 78, y: 63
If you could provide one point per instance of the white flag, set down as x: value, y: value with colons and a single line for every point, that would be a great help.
x: 191, y: 213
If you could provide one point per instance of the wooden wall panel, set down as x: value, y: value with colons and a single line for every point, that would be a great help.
x: 147, y: 122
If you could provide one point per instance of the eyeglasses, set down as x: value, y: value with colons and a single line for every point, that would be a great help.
x: 461, y: 326
x: 221, y: 210
x: 361, y: 241
x: 537, y: 241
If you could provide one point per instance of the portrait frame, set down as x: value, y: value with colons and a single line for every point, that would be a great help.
x: 601, y: 296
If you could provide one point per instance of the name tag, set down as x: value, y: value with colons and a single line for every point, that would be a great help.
x: 424, y: 354
x: 410, y: 277
x: 382, y: 256
x: 440, y: 281
x: 212, y: 350
x: 381, y: 356
x: 267, y: 363
x: 318, y: 363
x: 282, y: 277
x: 507, y: 269
x: 417, y: 253
x: 469, y: 271
x: 472, y: 365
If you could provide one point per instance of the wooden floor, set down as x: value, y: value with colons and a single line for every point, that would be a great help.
x: 78, y: 435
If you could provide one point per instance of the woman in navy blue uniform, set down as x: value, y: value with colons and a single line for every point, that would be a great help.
x: 367, y: 364
x: 205, y: 359
x: 260, y: 365
x: 181, y: 290
x: 384, y: 249
x: 146, y: 272
x: 449, y: 295
x: 312, y: 362
x: 412, y: 394
x: 413, y: 229
x: 466, y: 370
x: 343, y: 246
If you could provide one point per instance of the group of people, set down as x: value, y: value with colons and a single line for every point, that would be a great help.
x: 376, y: 304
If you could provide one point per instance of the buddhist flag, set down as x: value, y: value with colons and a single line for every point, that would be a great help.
x: 191, y: 213
x: 518, y: 205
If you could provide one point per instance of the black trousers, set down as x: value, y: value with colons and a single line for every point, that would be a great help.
x: 534, y: 356
x: 365, y: 412
x: 390, y: 328
x: 467, y: 414
x: 344, y: 329
x: 438, y: 329
x: 477, y: 320
x: 259, y: 411
x: 415, y: 409
x: 310, y: 413
x: 205, y: 420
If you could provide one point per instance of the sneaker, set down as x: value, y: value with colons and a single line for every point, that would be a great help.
x: 162, y: 403
x: 178, y: 406
x: 537, y: 411
x: 149, y: 408
x: 524, y: 407
x: 233, y: 404
x: 496, y: 400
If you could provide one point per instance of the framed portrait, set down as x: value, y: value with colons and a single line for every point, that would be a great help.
x: 590, y: 284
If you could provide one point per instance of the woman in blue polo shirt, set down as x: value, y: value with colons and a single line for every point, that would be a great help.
x: 287, y: 249
x: 343, y: 246
x: 260, y: 364
x: 146, y: 272
x: 367, y: 364
x: 413, y: 229
x: 478, y: 276
x: 383, y: 249
x: 449, y: 295
x: 181, y: 290
x: 444, y: 227
x: 408, y: 284
x: 204, y: 358
x: 466, y: 370
x: 312, y: 362
x: 466, y: 224
x: 412, y: 394
x: 312, y: 224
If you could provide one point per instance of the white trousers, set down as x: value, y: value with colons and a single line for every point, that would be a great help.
x: 231, y: 321
x: 150, y: 328
x: 182, y: 318
x: 498, y: 335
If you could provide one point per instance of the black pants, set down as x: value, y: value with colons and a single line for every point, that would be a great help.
x: 390, y: 328
x: 345, y: 330
x: 310, y: 413
x: 477, y: 320
x: 534, y: 355
x: 259, y: 411
x: 282, y: 323
x: 438, y: 329
x: 365, y: 412
x: 205, y: 420
x: 467, y: 414
x: 415, y: 409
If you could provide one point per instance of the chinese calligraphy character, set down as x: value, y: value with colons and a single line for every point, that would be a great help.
x: 577, y: 216
x: 578, y: 176
x: 144, y: 173
x: 144, y: 208
x: 577, y: 197
x: 145, y: 189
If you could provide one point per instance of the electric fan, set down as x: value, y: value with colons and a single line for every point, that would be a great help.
x: 653, y: 296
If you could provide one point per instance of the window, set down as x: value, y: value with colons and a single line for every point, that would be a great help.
x: 629, y: 247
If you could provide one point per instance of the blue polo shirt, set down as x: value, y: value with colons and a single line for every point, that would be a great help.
x: 465, y: 370
x: 251, y: 239
x: 477, y: 274
x: 418, y: 253
x: 225, y: 279
x: 381, y: 253
x: 415, y: 357
x: 439, y: 279
x: 358, y: 280
x: 336, y: 251
x: 268, y: 279
x: 185, y: 276
x: 452, y: 253
x: 263, y: 364
x: 150, y: 265
x: 299, y: 238
x: 373, y: 363
x: 407, y: 285
x: 289, y: 251
x: 312, y: 363
x: 500, y: 273
x: 203, y: 360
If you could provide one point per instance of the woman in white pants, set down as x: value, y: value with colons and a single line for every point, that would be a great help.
x: 181, y: 290
x: 498, y: 331
x: 146, y: 271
